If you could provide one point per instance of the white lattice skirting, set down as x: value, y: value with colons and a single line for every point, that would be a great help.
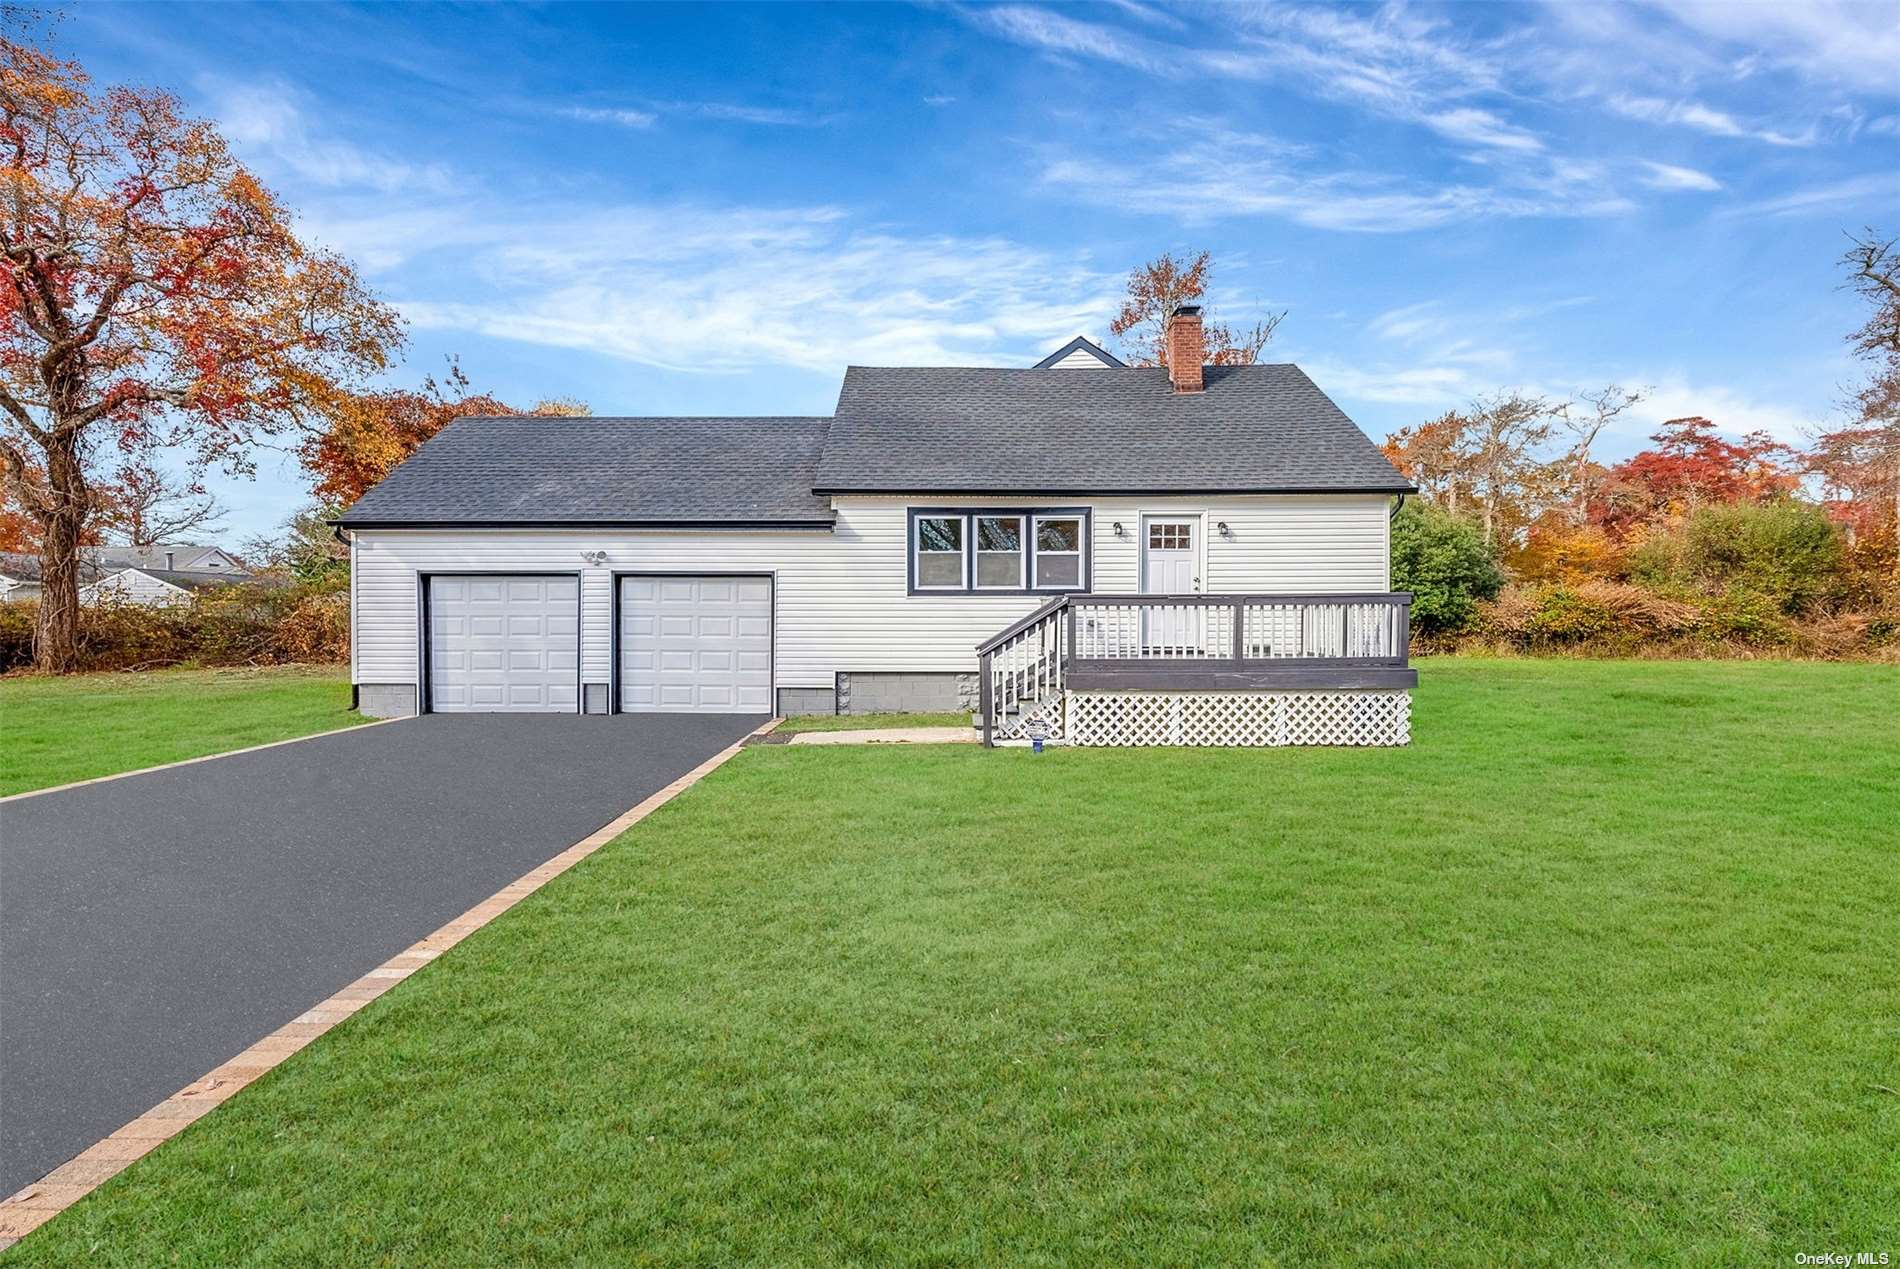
x: 1238, y: 718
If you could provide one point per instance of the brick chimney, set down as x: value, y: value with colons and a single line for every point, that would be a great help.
x: 1187, y: 348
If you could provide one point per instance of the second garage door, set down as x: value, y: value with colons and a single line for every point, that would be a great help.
x: 696, y: 645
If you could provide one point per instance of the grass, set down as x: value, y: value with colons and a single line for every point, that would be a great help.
x: 871, y: 722
x: 57, y: 730
x: 1601, y: 970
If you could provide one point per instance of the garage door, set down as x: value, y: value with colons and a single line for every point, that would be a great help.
x: 696, y: 645
x: 504, y: 644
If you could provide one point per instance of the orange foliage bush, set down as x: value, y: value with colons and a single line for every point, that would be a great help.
x: 254, y: 624
x: 1563, y: 554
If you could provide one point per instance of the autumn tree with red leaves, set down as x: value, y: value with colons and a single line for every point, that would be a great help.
x: 1690, y: 466
x: 154, y: 294
x: 1156, y: 289
x: 367, y: 433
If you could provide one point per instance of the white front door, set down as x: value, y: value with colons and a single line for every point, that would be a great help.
x: 1171, y: 565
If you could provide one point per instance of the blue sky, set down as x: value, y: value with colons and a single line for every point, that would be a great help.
x: 713, y: 210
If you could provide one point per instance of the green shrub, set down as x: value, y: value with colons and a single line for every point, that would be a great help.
x: 1787, y: 552
x: 1750, y: 616
x: 1564, y: 615
x: 1446, y: 564
x: 257, y: 623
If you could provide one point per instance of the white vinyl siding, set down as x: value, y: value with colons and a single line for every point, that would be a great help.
x: 842, y: 596
x: 1081, y: 359
x: 131, y: 586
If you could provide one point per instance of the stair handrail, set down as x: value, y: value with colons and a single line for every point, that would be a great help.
x: 1009, y: 632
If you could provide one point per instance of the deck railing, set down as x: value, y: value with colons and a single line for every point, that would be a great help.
x: 1188, y: 642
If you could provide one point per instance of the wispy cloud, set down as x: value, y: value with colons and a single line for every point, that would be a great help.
x: 807, y: 286
x: 267, y: 125
x: 1054, y: 32
x: 624, y: 118
x: 749, y: 287
x: 1846, y: 42
x: 738, y: 112
x: 1827, y: 196
x: 1671, y: 177
x: 1676, y: 396
x: 1481, y: 127
x: 651, y: 114
x: 1213, y: 180
x: 1700, y: 117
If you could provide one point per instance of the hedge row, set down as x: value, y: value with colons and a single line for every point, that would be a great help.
x: 251, y: 624
x: 1623, y: 620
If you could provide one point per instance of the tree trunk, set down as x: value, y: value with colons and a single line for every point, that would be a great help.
x: 56, y: 636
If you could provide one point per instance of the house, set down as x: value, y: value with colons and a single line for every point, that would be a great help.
x: 1083, y: 550
x: 152, y: 587
x: 20, y: 575
x: 175, y: 557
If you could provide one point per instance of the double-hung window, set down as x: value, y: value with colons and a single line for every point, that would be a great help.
x: 1001, y: 560
x: 1002, y: 550
x: 938, y: 542
x: 1058, y: 553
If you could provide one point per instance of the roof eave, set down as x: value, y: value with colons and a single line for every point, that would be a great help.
x: 344, y: 522
x: 1106, y: 491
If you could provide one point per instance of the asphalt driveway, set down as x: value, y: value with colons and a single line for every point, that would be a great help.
x: 153, y: 926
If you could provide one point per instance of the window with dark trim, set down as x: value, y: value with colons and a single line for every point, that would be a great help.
x: 937, y: 548
x: 998, y: 550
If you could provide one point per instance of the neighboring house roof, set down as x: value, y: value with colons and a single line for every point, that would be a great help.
x: 191, y: 579
x: 24, y: 566
x: 621, y: 471
x: 1255, y: 429
x: 1080, y: 351
x: 184, y: 557
x: 182, y: 579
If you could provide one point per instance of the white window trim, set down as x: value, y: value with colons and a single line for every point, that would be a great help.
x: 917, y: 553
x: 1079, y: 553
x: 1023, y: 551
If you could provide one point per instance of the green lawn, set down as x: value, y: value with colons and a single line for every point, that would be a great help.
x: 54, y: 731
x: 871, y: 722
x: 1601, y: 970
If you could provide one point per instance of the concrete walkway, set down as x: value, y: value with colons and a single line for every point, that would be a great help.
x: 889, y: 736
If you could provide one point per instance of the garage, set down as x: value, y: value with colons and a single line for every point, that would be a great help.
x: 504, y: 644
x: 695, y: 645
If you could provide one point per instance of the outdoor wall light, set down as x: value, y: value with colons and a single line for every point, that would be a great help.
x: 596, y: 558
x: 1224, y: 530
x: 1119, y: 532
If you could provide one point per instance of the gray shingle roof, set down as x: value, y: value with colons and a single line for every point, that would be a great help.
x: 969, y: 430
x: 605, y: 471
x: 189, y: 579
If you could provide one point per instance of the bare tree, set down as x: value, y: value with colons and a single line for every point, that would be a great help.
x: 1507, y: 430
x: 1585, y: 418
x: 1862, y: 459
x: 144, y: 504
